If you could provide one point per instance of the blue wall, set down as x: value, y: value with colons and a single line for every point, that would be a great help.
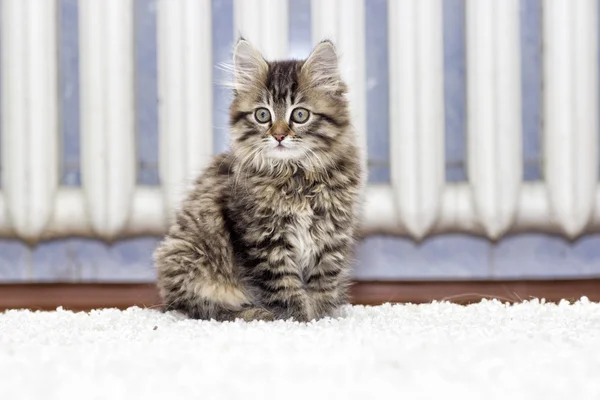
x: 447, y: 256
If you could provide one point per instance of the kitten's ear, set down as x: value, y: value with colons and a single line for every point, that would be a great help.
x: 322, y: 67
x: 249, y: 66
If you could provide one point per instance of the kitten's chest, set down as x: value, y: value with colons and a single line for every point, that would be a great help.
x: 303, y: 215
x: 300, y: 235
x: 311, y: 224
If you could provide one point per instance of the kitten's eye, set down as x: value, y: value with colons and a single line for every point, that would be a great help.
x: 300, y: 115
x: 262, y: 115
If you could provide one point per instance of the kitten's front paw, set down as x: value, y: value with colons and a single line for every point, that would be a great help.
x: 301, y: 318
x: 256, y: 314
x: 295, y: 315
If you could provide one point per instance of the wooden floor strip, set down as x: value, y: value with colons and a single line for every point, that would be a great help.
x: 87, y: 296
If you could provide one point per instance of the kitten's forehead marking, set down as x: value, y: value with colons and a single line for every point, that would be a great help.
x: 282, y: 80
x: 282, y: 88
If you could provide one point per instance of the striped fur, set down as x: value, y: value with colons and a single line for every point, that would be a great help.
x: 269, y: 229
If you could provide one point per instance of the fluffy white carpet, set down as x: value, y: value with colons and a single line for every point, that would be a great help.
x: 488, y: 350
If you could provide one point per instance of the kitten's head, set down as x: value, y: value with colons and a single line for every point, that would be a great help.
x: 289, y: 111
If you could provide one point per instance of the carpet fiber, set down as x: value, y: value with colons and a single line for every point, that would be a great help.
x: 488, y: 350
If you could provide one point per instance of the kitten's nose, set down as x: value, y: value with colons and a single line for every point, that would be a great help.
x: 280, y: 130
x: 279, y: 137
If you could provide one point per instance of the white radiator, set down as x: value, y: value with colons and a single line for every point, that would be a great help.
x: 417, y: 203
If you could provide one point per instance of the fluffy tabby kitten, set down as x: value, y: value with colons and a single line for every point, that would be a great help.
x: 269, y: 228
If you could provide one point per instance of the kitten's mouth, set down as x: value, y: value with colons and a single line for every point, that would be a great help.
x: 280, y: 147
x: 283, y: 151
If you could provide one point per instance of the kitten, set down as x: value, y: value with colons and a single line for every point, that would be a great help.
x: 269, y: 228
